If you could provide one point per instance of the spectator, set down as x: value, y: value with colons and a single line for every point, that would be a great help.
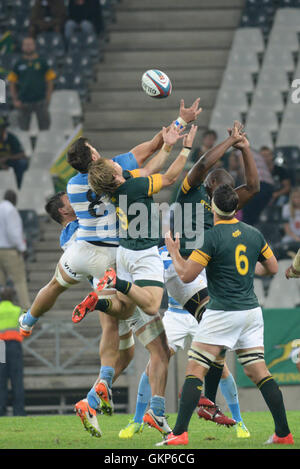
x: 282, y: 182
x: 209, y: 139
x: 11, y: 152
x: 12, y: 368
x: 31, y: 86
x: 291, y: 217
x: 47, y: 15
x: 253, y: 208
x: 85, y: 15
x: 13, y: 248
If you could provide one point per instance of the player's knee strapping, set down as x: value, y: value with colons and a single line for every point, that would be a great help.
x: 127, y: 343
x: 196, y: 304
x: 152, y: 330
x: 251, y: 357
x: 59, y: 278
x: 200, y: 356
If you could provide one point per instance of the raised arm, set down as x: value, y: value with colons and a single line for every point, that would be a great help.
x: 187, y: 270
x: 171, y: 175
x: 252, y: 186
x: 146, y: 149
x: 170, y: 136
x: 200, y: 169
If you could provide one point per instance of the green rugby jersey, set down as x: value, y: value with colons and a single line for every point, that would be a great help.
x: 137, y: 219
x: 193, y: 196
x: 230, y: 252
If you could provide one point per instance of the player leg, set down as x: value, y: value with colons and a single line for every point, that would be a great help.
x: 229, y: 390
x: 250, y: 352
x: 176, y: 333
x: 194, y: 297
x: 45, y: 300
x: 86, y: 408
x: 252, y: 359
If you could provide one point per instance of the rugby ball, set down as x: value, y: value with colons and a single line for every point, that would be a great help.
x: 156, y: 84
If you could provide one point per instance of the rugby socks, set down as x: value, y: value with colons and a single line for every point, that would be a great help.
x: 107, y: 373
x: 142, y: 399
x: 29, y: 320
x: 103, y: 304
x: 212, y: 380
x: 190, y: 396
x: 123, y: 286
x: 93, y: 399
x: 157, y: 404
x: 230, y: 393
x: 273, y: 398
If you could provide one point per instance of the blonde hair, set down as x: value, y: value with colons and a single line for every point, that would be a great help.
x: 292, y: 208
x: 101, y: 177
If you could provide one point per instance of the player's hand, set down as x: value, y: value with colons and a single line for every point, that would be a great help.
x: 172, y: 245
x: 289, y: 273
x: 238, y: 132
x: 172, y: 134
x: 189, y: 138
x: 191, y: 113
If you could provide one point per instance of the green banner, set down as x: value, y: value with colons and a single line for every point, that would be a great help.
x: 282, y: 339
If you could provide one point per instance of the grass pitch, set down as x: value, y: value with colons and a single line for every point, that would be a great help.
x: 67, y: 432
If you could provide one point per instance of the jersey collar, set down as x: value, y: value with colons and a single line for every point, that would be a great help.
x: 227, y: 222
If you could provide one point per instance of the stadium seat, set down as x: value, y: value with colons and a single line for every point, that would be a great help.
x: 248, y: 39
x: 276, y: 57
x: 259, y: 136
x: 48, y: 144
x: 268, y: 98
x: 66, y: 101
x: 279, y: 284
x: 273, y: 78
x: 246, y: 60
x: 37, y: 186
x: 224, y: 117
x: 281, y: 37
x: 236, y: 77
x: 262, y: 116
x: 287, y: 17
x: 7, y: 181
x: 288, y: 136
x: 232, y: 99
x: 61, y: 122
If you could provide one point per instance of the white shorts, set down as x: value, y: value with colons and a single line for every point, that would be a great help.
x: 179, y: 328
x: 232, y: 329
x: 183, y: 292
x: 143, y: 267
x: 82, y: 259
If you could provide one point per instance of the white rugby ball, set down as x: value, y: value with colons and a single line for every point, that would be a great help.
x: 156, y: 84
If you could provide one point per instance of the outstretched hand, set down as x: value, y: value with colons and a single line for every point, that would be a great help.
x: 191, y: 113
x: 189, y: 138
x: 172, y: 134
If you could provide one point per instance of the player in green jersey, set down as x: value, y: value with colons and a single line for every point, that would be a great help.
x: 232, y: 253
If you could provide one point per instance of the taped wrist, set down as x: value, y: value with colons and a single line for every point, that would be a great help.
x: 180, y: 123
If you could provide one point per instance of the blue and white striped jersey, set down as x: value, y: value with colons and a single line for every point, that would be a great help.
x: 173, y: 305
x: 96, y: 215
x: 68, y: 234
